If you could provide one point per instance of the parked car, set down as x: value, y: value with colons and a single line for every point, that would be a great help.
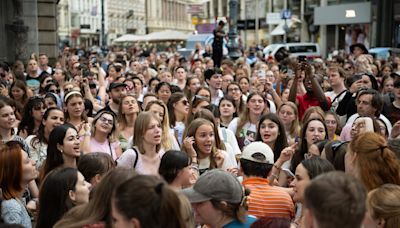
x: 309, y: 50
x: 384, y: 52
x: 203, y: 39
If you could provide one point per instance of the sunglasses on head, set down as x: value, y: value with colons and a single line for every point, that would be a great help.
x: 54, y: 91
x: 335, y: 146
x: 198, y: 97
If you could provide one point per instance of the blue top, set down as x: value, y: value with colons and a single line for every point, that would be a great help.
x: 236, y: 224
x: 14, y: 212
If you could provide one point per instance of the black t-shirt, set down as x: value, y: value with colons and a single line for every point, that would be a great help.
x: 218, y: 39
x: 107, y: 108
x: 392, y: 113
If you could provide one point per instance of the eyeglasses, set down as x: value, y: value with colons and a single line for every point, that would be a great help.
x: 105, y: 120
x: 54, y: 91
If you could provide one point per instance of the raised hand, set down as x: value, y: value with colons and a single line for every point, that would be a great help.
x: 188, y: 145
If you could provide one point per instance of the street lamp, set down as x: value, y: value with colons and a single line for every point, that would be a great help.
x: 233, y: 45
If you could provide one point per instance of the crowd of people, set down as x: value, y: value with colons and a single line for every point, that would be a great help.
x: 152, y: 139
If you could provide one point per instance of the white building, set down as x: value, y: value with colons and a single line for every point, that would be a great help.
x: 124, y: 17
x: 79, y: 21
x: 168, y: 14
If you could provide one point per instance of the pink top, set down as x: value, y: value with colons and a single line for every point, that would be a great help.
x: 104, y: 147
x: 145, y: 165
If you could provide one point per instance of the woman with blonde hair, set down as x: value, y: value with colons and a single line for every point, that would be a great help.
x: 383, y: 205
x: 369, y: 158
x: 158, y: 108
x: 146, y: 152
x: 127, y: 113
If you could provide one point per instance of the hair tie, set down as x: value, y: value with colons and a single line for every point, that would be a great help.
x: 70, y: 94
x: 158, y: 188
x: 382, y: 148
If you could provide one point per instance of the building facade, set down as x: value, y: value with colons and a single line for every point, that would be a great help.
x: 80, y: 21
x: 27, y: 27
x: 168, y: 14
x: 124, y: 17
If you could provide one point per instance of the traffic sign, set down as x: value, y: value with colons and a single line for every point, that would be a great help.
x: 286, y: 14
x: 273, y: 18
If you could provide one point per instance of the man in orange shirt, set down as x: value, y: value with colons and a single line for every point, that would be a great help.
x: 264, y: 200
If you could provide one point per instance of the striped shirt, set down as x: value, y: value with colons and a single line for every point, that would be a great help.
x: 266, y: 200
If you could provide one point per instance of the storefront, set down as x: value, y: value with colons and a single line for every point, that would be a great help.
x: 346, y: 24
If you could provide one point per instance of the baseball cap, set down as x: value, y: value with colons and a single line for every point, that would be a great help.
x: 251, y: 150
x: 114, y: 85
x: 215, y: 184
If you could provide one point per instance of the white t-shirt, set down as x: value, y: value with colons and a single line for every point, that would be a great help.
x: 38, y: 152
x: 229, y: 138
x: 247, y: 133
x: 205, y: 163
x: 144, y: 164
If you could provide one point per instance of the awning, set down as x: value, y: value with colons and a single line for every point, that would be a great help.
x: 166, y: 35
x: 130, y: 38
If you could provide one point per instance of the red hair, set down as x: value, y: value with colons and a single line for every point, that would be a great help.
x: 376, y: 163
x: 10, y: 170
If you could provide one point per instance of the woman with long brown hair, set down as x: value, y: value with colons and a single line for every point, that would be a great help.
x: 200, y: 144
x: 127, y: 114
x: 146, y: 152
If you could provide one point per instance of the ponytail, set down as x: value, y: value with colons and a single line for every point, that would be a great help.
x: 170, y: 207
x: 150, y: 201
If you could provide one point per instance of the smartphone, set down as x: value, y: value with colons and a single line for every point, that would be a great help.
x: 288, y: 172
x: 94, y: 61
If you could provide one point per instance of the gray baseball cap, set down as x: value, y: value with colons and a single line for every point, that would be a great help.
x: 215, y: 184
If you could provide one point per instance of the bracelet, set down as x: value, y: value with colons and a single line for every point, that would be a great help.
x: 278, y: 168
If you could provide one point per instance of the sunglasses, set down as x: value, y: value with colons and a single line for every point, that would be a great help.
x: 38, y: 108
x: 185, y: 102
x: 54, y: 91
x: 198, y: 97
